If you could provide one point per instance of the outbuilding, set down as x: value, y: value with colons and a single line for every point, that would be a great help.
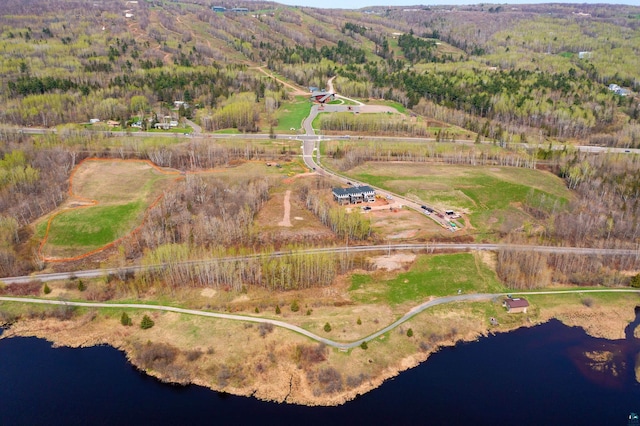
x: 516, y: 305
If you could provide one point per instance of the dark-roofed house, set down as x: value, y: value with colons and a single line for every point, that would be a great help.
x: 341, y: 195
x: 516, y: 305
x: 354, y: 195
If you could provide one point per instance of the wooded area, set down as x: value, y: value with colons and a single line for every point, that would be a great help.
x: 538, y: 74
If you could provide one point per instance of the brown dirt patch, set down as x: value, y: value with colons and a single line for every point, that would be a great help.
x: 393, y: 262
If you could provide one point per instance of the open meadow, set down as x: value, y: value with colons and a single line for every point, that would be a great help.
x: 491, y: 197
x: 107, y: 201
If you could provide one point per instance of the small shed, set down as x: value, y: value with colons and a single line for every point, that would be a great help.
x: 516, y: 305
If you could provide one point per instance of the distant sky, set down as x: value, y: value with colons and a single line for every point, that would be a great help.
x: 358, y: 4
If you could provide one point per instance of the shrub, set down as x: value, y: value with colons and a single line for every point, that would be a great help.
x: 635, y: 281
x: 330, y: 380
x: 265, y: 328
x: 327, y: 327
x: 294, y: 306
x: 155, y: 355
x: 146, y: 322
x: 224, y: 374
x: 409, y: 333
x: 125, y: 319
x: 355, y: 381
x: 364, y: 345
x: 62, y: 312
x: 81, y: 286
x: 587, y: 301
x: 308, y: 354
x: 257, y: 311
x: 308, y: 311
x: 46, y: 289
x: 32, y: 288
x: 359, y: 322
x: 193, y: 355
x: 278, y: 310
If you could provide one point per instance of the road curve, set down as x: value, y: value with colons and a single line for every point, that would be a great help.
x: 339, y: 345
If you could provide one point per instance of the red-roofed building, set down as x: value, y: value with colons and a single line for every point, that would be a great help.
x: 516, y: 305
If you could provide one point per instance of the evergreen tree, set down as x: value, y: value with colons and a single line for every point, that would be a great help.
x: 126, y: 320
x: 146, y: 322
x: 46, y: 289
x: 327, y: 327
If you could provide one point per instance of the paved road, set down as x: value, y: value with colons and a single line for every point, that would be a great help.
x: 340, y: 345
x: 93, y: 273
x: 261, y: 136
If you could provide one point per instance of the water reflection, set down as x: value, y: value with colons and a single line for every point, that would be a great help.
x: 610, y: 363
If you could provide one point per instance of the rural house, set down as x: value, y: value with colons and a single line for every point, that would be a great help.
x: 354, y: 195
x: 516, y: 305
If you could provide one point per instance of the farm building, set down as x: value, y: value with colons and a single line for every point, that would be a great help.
x: 516, y: 305
x: 354, y: 195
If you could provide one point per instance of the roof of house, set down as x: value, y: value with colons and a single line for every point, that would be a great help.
x: 517, y: 302
x: 354, y: 190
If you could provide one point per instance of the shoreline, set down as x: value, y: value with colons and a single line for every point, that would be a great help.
x: 285, y: 381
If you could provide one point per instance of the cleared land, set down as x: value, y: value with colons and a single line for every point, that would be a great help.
x: 108, y: 200
x: 490, y: 196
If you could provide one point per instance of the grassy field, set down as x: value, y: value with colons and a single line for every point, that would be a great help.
x: 438, y: 275
x: 108, y: 201
x: 291, y: 114
x: 490, y: 196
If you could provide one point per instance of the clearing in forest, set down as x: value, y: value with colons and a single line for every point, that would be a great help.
x: 491, y: 196
x: 108, y: 199
x: 429, y: 275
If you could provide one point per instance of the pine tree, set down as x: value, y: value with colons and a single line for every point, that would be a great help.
x: 125, y: 319
x: 46, y: 289
x: 294, y: 306
x: 364, y: 345
x: 409, y: 332
x: 81, y: 286
x: 327, y: 327
x: 146, y: 322
x: 278, y: 310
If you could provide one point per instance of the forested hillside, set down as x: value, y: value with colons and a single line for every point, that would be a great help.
x: 537, y: 74
x: 516, y: 73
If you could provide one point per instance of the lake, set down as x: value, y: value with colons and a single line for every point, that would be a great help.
x: 545, y: 375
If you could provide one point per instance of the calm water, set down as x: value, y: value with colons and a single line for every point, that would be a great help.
x: 535, y: 376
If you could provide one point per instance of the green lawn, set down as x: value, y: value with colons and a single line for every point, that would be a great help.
x: 122, y: 191
x: 430, y: 275
x: 94, y: 227
x: 291, y: 114
x: 490, y: 196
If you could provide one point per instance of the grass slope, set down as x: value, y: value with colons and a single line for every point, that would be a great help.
x: 122, y: 191
x: 438, y: 275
